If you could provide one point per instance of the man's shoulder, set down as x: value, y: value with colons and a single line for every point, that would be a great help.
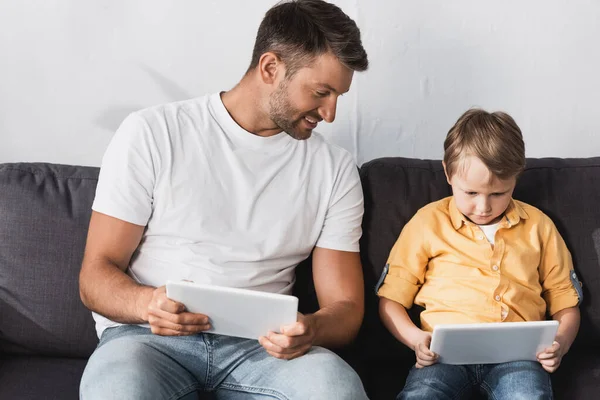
x: 337, y: 153
x: 165, y: 111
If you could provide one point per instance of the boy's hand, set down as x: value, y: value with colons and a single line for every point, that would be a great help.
x: 425, y: 357
x: 551, y: 357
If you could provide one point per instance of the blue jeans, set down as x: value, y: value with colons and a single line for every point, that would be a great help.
x: 131, y: 362
x: 513, y: 380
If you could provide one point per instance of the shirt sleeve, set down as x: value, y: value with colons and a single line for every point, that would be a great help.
x: 127, y: 174
x: 404, y: 273
x: 342, y: 227
x: 560, y: 287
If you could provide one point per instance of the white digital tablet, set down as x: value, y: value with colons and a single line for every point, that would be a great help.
x: 236, y: 312
x: 492, y: 343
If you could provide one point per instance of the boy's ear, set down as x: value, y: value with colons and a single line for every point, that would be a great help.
x: 446, y: 173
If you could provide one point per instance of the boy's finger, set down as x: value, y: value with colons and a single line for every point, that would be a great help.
x: 425, y: 350
x: 554, y: 348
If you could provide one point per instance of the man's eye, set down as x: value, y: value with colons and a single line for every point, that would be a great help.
x: 322, y: 94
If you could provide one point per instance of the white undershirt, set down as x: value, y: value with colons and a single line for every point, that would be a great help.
x: 490, y: 231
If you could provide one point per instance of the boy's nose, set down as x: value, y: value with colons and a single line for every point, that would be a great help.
x: 483, y: 206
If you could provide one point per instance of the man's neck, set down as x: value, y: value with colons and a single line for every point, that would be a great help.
x: 244, y: 105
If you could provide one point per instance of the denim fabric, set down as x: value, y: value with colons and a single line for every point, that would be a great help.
x: 132, y: 363
x: 517, y: 380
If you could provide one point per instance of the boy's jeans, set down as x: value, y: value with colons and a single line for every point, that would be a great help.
x: 132, y: 363
x: 514, y: 380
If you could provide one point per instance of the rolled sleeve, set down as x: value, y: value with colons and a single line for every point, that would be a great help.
x: 398, y: 289
x: 407, y: 263
x: 560, y: 287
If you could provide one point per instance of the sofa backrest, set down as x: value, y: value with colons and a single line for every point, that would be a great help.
x: 567, y: 190
x: 44, y: 215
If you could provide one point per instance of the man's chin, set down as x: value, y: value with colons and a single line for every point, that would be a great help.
x: 303, y: 135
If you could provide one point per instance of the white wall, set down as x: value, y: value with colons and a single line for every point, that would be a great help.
x: 71, y: 70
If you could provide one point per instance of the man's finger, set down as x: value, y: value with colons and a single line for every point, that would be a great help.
x: 288, y: 342
x: 184, y: 318
x: 286, y: 356
x: 169, y: 332
x: 295, y: 329
x: 275, y: 348
x: 168, y: 325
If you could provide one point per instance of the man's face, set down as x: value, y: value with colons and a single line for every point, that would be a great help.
x: 309, y: 96
x: 481, y: 199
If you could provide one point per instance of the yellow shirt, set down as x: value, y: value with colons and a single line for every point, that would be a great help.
x: 444, y: 263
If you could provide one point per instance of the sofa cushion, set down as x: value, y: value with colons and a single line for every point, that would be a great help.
x: 578, y: 376
x: 44, y: 215
x: 568, y: 190
x: 28, y: 377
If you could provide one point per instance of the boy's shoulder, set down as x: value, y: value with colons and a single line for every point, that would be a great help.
x: 434, y: 210
x: 531, y: 212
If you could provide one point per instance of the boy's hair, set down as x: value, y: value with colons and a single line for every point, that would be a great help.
x: 299, y: 31
x: 494, y: 138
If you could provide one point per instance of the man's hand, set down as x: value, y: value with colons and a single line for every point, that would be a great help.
x: 425, y: 357
x: 293, y: 341
x: 169, y: 318
x: 551, y: 357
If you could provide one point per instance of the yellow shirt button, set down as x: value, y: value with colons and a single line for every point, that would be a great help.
x: 497, y: 297
x: 495, y: 268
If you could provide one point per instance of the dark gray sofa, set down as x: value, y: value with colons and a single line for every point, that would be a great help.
x: 46, y: 334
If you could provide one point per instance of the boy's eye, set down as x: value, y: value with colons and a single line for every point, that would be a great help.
x: 497, y: 194
x: 472, y: 193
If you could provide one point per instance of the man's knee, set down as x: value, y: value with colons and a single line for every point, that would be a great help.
x: 332, y: 377
x: 115, y: 369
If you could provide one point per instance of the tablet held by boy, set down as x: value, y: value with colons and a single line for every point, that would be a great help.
x: 480, y: 256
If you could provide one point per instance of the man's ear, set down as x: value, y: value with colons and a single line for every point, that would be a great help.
x: 270, y: 68
x: 446, y: 173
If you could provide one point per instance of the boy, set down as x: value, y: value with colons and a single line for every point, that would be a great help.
x: 480, y: 256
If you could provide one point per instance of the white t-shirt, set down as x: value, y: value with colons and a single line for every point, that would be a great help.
x: 490, y: 231
x: 223, y: 206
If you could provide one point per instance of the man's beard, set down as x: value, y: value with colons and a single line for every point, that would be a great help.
x: 281, y: 113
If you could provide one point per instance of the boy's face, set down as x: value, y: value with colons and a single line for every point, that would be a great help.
x: 480, y: 196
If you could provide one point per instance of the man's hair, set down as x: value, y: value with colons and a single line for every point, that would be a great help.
x: 298, y: 31
x: 494, y: 138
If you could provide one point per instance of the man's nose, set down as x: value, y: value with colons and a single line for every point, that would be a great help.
x: 327, y: 110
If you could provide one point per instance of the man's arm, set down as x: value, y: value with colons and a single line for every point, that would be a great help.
x: 103, y: 285
x: 338, y: 279
x: 339, y: 285
x: 105, y: 288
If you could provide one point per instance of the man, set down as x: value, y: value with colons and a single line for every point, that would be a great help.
x: 232, y: 189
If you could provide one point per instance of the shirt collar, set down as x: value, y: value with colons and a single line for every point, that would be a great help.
x: 514, y: 213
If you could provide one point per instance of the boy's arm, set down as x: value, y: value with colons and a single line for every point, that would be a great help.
x: 396, y: 320
x: 568, y: 319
